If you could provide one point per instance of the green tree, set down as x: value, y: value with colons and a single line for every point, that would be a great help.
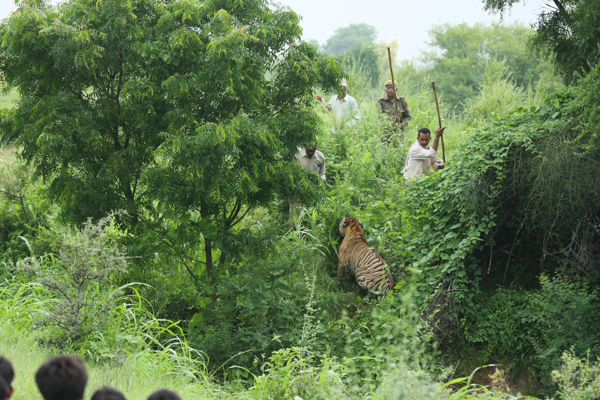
x: 356, y: 44
x: 460, y: 56
x: 567, y: 32
x: 177, y: 112
x: 349, y: 37
x: 89, y: 119
x: 367, y: 56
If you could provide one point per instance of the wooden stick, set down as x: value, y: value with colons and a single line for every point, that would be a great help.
x: 326, y: 109
x: 439, y: 119
x: 393, y: 83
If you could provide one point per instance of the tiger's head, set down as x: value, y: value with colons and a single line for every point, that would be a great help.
x: 350, y: 224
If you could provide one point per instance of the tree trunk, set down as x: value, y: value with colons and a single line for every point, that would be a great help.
x: 209, y: 266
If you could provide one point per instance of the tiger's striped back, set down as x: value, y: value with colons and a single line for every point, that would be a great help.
x: 357, y: 258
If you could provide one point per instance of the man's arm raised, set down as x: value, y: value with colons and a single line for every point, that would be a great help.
x: 438, y: 134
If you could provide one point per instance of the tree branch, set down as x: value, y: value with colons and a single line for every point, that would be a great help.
x: 23, y: 208
x: 169, y: 243
x: 234, y: 212
x: 14, y: 196
x: 241, y: 218
x: 562, y: 11
x: 77, y: 94
x: 560, y: 7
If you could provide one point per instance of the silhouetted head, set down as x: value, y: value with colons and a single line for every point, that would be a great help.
x: 62, y: 378
x: 164, y: 394
x: 108, y: 393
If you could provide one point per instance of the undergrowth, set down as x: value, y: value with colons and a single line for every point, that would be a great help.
x: 461, y: 242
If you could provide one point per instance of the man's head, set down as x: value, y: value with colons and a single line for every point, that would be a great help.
x: 164, y: 394
x: 424, y: 137
x: 108, y: 393
x: 344, y: 86
x: 8, y: 374
x: 310, y: 150
x: 389, y: 89
x: 62, y: 378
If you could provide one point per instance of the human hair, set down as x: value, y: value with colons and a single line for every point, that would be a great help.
x: 6, y: 371
x: 424, y: 130
x: 62, y: 378
x: 108, y: 393
x: 164, y: 394
x: 4, y: 388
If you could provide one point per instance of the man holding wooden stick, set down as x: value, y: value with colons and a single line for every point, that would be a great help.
x: 345, y: 108
x: 387, y: 106
x: 421, y: 157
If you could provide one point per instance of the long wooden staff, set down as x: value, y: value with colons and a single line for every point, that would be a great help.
x: 328, y: 112
x: 439, y: 119
x: 393, y: 82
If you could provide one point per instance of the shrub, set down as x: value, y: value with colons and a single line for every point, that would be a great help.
x: 577, y: 378
x: 531, y: 329
x: 80, y: 279
x: 566, y: 315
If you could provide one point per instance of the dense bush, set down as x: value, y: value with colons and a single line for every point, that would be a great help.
x: 80, y: 279
x: 577, y: 378
x: 529, y: 330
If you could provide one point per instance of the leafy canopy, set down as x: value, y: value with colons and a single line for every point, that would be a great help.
x: 460, y: 56
x: 177, y: 112
x: 104, y: 84
x: 567, y: 32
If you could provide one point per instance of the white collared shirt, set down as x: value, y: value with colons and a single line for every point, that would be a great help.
x: 418, y: 161
x: 344, y: 111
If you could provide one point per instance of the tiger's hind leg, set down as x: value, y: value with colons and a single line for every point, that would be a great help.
x: 342, y: 268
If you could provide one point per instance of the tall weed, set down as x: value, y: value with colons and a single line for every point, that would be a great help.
x: 497, y: 96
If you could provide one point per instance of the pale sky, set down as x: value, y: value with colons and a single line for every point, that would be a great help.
x: 404, y: 20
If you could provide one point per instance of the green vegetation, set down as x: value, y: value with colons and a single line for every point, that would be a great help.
x: 566, y: 33
x: 145, y: 185
x: 459, y: 57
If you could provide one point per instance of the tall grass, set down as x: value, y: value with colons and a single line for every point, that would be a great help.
x: 137, y: 377
x: 140, y: 355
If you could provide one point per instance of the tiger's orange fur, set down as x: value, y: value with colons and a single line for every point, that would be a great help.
x: 360, y: 260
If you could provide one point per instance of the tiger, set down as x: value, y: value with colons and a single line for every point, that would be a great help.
x: 360, y: 260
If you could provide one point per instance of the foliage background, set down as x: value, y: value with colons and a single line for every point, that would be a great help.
x: 496, y: 255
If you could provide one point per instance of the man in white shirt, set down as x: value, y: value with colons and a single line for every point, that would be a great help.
x: 344, y: 108
x: 313, y: 160
x: 421, y: 156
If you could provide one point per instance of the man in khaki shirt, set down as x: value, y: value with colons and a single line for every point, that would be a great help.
x: 386, y: 106
x: 312, y: 159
